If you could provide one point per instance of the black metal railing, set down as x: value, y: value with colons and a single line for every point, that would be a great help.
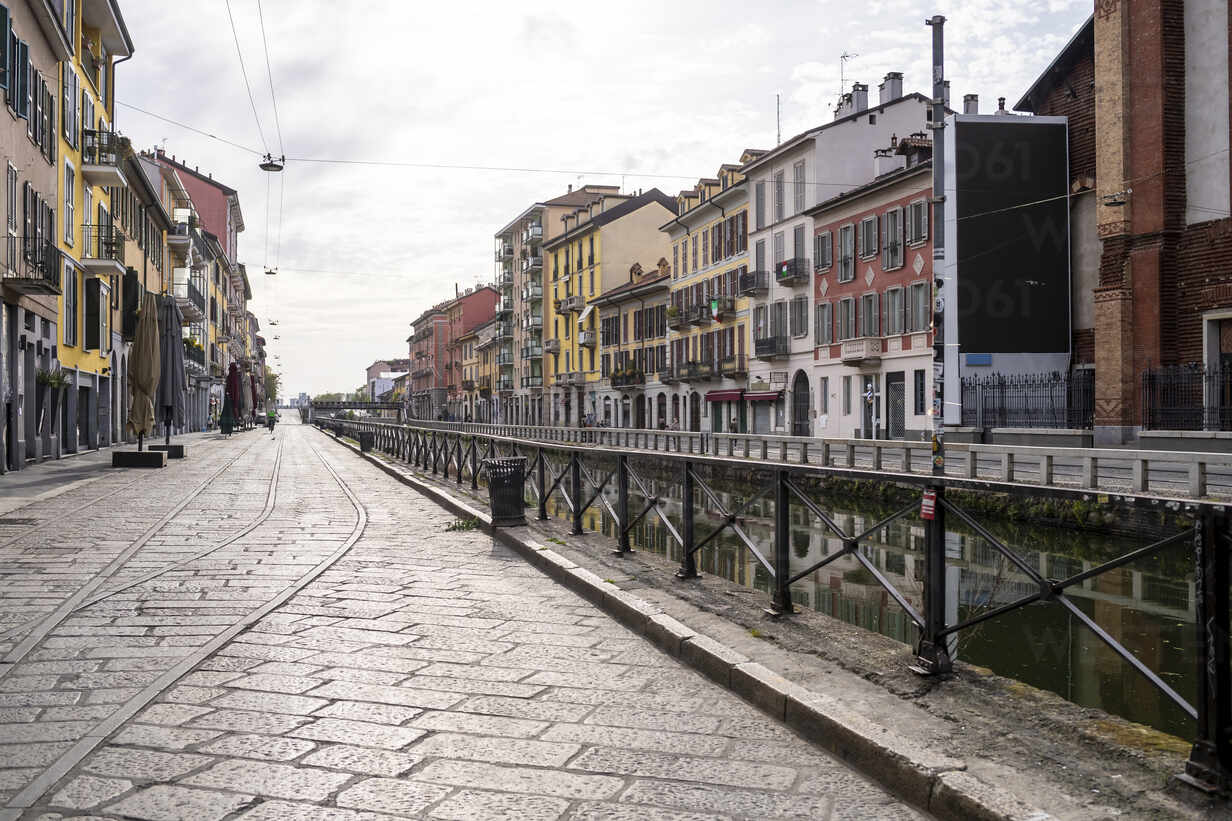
x: 770, y: 346
x: 100, y: 147
x: 1187, y: 397
x: 628, y: 378
x: 753, y: 282
x: 579, y: 465
x: 733, y: 366
x: 701, y: 371
x: 195, y: 353
x: 699, y: 315
x: 36, y: 264
x: 792, y: 271
x: 102, y: 242
x: 1030, y: 400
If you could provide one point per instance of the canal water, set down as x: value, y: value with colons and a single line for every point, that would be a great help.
x: 1147, y: 606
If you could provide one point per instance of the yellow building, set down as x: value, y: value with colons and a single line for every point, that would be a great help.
x: 469, y: 386
x: 92, y: 247
x: 599, y: 244
x: 487, y: 370
x: 708, y: 310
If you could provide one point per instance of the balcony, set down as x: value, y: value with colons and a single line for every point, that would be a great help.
x: 631, y: 379
x: 194, y: 353
x: 865, y: 350
x: 504, y: 330
x: 35, y: 271
x: 551, y: 346
x: 588, y: 339
x: 100, y: 158
x: 792, y: 272
x: 733, y: 367
x: 505, y: 279
x: 188, y: 296
x: 675, y: 320
x: 532, y: 293
x: 532, y: 322
x: 569, y: 304
x: 770, y: 347
x: 532, y: 235
x: 667, y: 376
x: 504, y: 359
x: 102, y: 250
x: 699, y: 314
x: 532, y: 382
x: 468, y: 385
x: 505, y: 385
x: 504, y: 305
x: 754, y: 282
x: 504, y: 251
x: 532, y: 351
x: 532, y: 263
x: 701, y: 371
x: 721, y: 307
x: 680, y: 370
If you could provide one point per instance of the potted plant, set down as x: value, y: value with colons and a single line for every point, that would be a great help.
x: 54, y: 381
x: 673, y: 310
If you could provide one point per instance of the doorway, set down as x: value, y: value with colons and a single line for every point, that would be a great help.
x: 870, y: 398
x: 896, y: 405
x: 800, y: 405
x: 695, y: 413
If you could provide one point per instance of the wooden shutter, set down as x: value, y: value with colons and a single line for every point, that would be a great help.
x: 5, y: 25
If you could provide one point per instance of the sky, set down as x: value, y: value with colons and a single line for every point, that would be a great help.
x: 640, y: 94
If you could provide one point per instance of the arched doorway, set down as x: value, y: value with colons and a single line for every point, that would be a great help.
x: 695, y: 412
x: 800, y: 405
x: 639, y: 410
x: 661, y: 416
x: 676, y: 409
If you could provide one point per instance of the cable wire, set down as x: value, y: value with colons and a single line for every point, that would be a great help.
x: 187, y: 127
x: 244, y: 71
x: 270, y: 73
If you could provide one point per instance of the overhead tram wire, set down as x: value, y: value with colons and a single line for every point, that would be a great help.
x: 244, y: 71
x: 187, y: 127
x: 270, y: 74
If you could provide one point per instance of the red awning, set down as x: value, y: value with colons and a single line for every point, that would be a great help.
x: 725, y: 396
x: 763, y: 396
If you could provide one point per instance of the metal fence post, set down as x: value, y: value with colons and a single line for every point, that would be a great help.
x: 575, y: 478
x: 543, y: 486
x: 435, y: 451
x: 933, y: 653
x: 1210, y: 760
x: 474, y: 463
x: 781, y: 602
x: 622, y: 504
x: 688, y: 562
x: 461, y: 458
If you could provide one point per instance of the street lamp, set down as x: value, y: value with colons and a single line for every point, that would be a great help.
x: 271, y: 164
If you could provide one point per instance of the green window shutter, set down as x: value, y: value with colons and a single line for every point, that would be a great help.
x: 5, y: 24
x: 21, y: 79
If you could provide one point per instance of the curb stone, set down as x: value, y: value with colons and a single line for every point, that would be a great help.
x: 920, y: 776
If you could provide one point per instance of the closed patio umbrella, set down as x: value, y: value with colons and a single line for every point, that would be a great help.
x: 171, y: 383
x: 244, y: 394
x: 143, y: 368
x: 230, y: 403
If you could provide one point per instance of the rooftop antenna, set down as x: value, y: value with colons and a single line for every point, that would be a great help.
x: 778, y: 118
x: 842, y: 70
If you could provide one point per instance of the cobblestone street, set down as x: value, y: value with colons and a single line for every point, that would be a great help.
x: 275, y: 629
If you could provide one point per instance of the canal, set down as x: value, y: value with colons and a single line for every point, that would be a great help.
x: 1148, y: 606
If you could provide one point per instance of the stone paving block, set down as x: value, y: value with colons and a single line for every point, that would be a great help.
x: 173, y: 714
x: 362, y: 760
x: 478, y: 686
x: 12, y: 780
x: 371, y: 660
x: 276, y: 780
x: 30, y: 755
x: 166, y: 738
x: 736, y: 802
x: 685, y: 768
x: 231, y: 664
x: 147, y: 765
x: 193, y: 695
x: 485, y: 673
x: 494, y: 806
x: 275, y: 683
x: 356, y: 674
x: 477, y: 774
x: 559, y: 679
x: 43, y: 699
x: 392, y: 796
x: 285, y: 668
x: 525, y: 637
x: 269, y: 702
x: 254, y: 654
x: 365, y: 637
x: 245, y: 721
x: 405, y: 696
x: 86, y: 791
x: 92, y: 712
x: 295, y: 811
x: 172, y: 803
x: 480, y: 724
x: 358, y: 732
x: 265, y: 747
x: 368, y: 711
x: 48, y: 731
x: 653, y: 720
x: 607, y: 811
x: 496, y: 749
x: 524, y: 708
x: 637, y: 739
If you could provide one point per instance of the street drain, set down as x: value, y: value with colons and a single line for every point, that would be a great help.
x: 18, y: 522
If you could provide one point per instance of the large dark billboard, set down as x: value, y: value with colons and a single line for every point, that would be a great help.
x: 1012, y: 181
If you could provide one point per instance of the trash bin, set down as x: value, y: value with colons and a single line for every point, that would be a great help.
x: 366, y: 440
x: 505, y: 477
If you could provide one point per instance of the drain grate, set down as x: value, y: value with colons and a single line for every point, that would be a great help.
x: 18, y: 522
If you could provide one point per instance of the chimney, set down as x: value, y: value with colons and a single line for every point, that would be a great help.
x: 891, y: 87
x: 886, y: 160
x: 1001, y: 107
x: 859, y: 97
x: 570, y: 189
x: 947, y: 93
x: 971, y: 104
x: 843, y: 108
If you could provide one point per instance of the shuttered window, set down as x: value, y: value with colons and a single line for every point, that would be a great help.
x: 797, y: 179
x: 846, y: 319
x: 917, y: 222
x: 868, y: 237
x: 892, y: 243
x: 823, y: 251
x: 895, y: 314
x: 846, y: 250
x: 823, y: 332
x: 869, y: 315
x: 799, y: 316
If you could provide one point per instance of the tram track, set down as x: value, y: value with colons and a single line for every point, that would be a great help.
x: 62, y: 765
x: 39, y: 627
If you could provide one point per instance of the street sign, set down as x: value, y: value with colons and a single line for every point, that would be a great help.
x: 928, y: 505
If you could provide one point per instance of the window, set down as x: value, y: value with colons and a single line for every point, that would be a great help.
x: 823, y: 252
x: 917, y: 222
x: 846, y: 253
x: 695, y: 244
x: 823, y: 397
x: 10, y: 202
x: 706, y: 235
x: 70, y: 178
x: 759, y: 204
x: 799, y: 316
x: 778, y: 319
x: 70, y: 304
x: 846, y: 319
x: 892, y: 230
x: 918, y: 378
x: 5, y: 25
x: 846, y: 396
x: 918, y: 309
x: 868, y: 237
x: 18, y: 73
x: 780, y: 252
x: 868, y: 315
x: 779, y: 196
x: 760, y: 331
x: 759, y: 255
x: 675, y: 261
x: 823, y: 326
x: 797, y: 180
x: 797, y: 242
x: 895, y: 323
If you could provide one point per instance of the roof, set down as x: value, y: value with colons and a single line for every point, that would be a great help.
x: 582, y: 196
x: 151, y: 188
x: 205, y: 178
x: 720, y: 195
x: 632, y: 290
x: 1081, y: 43
x: 792, y: 142
x: 616, y: 212
x: 884, y: 181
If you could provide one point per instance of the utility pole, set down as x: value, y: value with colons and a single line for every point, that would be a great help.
x: 940, y: 292
x: 778, y: 119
